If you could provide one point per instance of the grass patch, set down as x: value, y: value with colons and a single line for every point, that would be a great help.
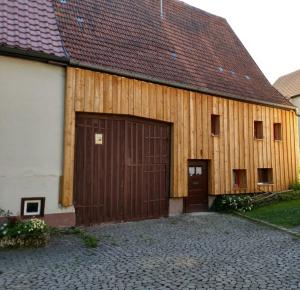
x: 89, y: 240
x: 271, y: 198
x: 285, y: 213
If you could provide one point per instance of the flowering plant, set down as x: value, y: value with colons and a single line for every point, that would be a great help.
x: 14, y: 227
x: 232, y: 203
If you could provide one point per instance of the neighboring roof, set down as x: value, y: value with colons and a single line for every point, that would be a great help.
x: 186, y: 46
x: 30, y: 26
x: 289, y: 85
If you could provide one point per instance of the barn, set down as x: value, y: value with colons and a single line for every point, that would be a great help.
x: 164, y: 109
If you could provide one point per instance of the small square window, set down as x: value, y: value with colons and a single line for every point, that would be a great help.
x: 265, y: 175
x: 32, y: 207
x: 215, y: 125
x: 239, y: 178
x: 258, y: 130
x: 277, y: 131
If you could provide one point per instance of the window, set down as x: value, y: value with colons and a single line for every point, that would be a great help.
x: 265, y: 175
x: 258, y: 130
x: 239, y: 178
x: 277, y: 131
x: 215, y: 125
x: 32, y: 207
x: 195, y: 170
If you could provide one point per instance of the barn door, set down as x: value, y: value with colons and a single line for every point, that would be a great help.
x: 121, y: 169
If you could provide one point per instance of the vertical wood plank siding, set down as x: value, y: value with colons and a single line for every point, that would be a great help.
x: 190, y: 114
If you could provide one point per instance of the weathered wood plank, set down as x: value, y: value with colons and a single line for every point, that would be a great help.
x: 190, y: 115
x: 69, y: 139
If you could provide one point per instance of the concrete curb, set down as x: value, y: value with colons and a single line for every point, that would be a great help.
x: 268, y: 224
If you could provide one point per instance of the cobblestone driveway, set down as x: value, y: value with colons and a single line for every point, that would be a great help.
x: 190, y: 252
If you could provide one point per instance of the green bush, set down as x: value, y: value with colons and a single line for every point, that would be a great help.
x: 15, y: 233
x: 295, y: 186
x: 14, y: 227
x: 229, y: 203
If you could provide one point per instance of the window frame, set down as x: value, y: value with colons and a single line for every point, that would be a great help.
x: 277, y: 132
x: 258, y: 132
x: 41, y: 207
x: 263, y: 172
x: 215, y: 125
x: 241, y: 174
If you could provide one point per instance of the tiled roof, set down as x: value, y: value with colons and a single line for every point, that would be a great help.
x: 30, y: 25
x: 186, y: 46
x: 289, y: 85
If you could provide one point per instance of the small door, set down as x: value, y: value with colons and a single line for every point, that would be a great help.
x: 197, y: 199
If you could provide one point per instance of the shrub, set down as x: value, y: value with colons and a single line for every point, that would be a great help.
x: 228, y: 203
x: 295, y: 186
x: 14, y: 227
x: 29, y: 233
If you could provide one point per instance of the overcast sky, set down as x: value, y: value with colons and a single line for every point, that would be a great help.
x: 268, y: 29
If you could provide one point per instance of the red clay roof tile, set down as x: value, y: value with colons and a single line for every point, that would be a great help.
x: 187, y: 46
x: 31, y: 26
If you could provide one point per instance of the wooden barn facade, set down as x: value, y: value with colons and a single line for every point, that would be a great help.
x: 202, y: 127
x: 164, y: 110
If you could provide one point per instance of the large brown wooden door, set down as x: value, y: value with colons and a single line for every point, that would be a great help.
x: 121, y: 169
x: 197, y: 199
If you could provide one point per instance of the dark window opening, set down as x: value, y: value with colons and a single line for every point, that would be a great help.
x: 258, y: 130
x: 32, y: 207
x: 265, y: 175
x: 239, y: 178
x: 277, y: 131
x: 215, y: 125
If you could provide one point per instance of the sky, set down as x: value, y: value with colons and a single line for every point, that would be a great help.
x: 268, y: 29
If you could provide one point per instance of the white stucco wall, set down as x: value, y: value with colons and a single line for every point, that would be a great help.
x: 31, y: 132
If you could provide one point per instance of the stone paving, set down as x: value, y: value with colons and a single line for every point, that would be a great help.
x: 209, y: 251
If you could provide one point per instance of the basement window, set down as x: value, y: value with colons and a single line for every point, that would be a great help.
x: 215, y: 125
x: 239, y: 178
x: 258, y: 130
x: 32, y: 207
x: 277, y: 131
x: 265, y: 175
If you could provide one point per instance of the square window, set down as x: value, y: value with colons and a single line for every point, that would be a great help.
x: 239, y: 178
x: 258, y: 130
x: 277, y: 131
x: 32, y: 207
x: 265, y: 175
x: 215, y: 125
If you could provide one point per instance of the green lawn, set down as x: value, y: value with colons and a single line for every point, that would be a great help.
x: 285, y: 213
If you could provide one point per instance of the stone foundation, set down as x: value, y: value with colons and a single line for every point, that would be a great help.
x: 175, y: 206
x: 59, y: 220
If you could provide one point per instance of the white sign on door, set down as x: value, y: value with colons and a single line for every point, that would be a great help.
x: 98, y: 139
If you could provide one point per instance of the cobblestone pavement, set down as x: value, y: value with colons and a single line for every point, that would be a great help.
x: 190, y: 252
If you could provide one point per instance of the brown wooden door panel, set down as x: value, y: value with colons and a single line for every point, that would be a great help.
x: 127, y: 176
x: 197, y: 198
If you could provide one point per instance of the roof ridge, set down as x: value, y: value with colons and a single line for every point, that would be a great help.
x: 198, y: 9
